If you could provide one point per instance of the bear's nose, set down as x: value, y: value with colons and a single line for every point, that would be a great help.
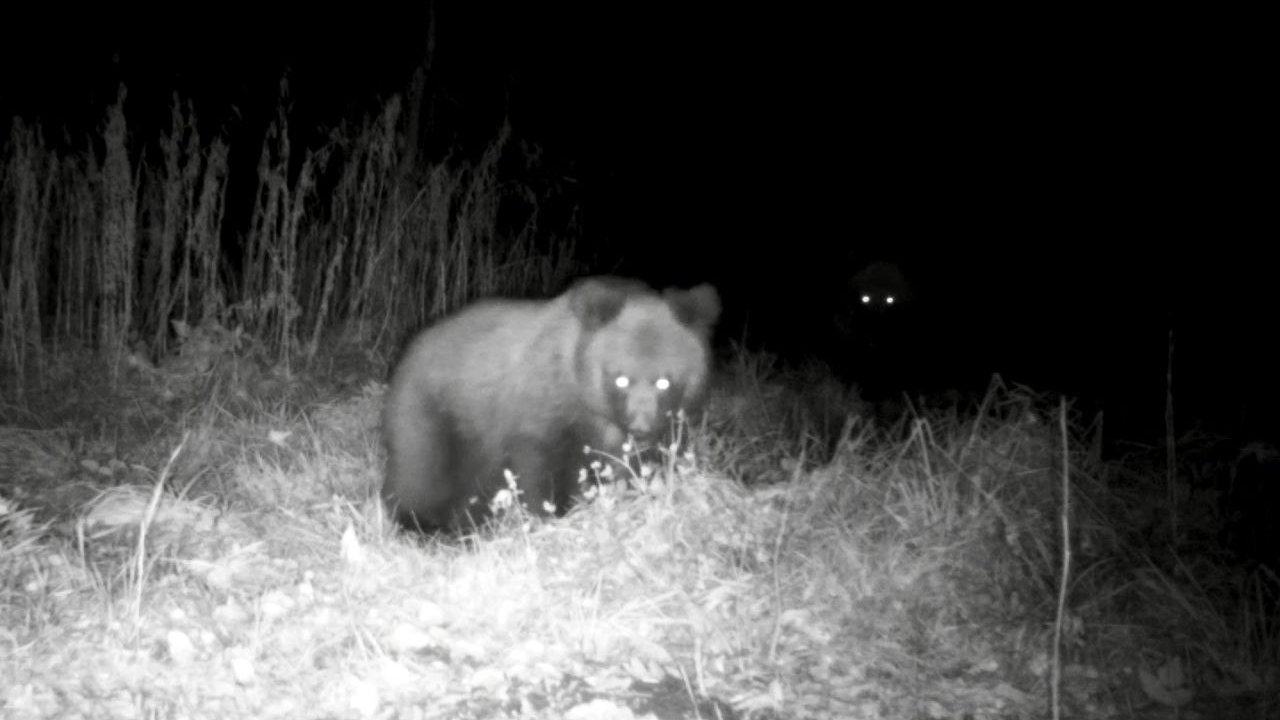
x: 641, y: 430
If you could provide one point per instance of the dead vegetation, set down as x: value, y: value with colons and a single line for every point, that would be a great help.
x: 238, y: 564
x: 190, y: 457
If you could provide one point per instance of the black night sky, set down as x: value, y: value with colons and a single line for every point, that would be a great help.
x: 1060, y: 190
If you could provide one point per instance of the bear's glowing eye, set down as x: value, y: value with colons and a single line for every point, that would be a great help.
x: 866, y: 299
x: 888, y: 300
x: 622, y: 382
x: 662, y: 384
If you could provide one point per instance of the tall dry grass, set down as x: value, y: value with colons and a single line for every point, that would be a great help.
x: 112, y: 244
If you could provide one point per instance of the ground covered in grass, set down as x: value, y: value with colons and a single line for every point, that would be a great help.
x: 204, y: 540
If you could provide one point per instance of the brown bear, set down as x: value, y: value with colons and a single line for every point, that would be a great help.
x: 523, y: 386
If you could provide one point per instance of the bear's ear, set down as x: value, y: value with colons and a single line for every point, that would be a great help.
x: 697, y: 307
x: 597, y: 301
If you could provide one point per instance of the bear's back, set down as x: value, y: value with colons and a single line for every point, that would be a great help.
x: 474, y: 363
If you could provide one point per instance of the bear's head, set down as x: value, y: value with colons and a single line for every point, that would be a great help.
x: 879, y: 287
x: 871, y: 303
x: 643, y: 356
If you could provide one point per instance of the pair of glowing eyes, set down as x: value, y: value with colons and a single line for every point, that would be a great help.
x: 867, y: 299
x: 622, y: 382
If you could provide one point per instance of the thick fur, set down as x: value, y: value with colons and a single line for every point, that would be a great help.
x: 525, y: 385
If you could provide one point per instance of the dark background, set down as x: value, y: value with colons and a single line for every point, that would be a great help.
x: 1062, y: 190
